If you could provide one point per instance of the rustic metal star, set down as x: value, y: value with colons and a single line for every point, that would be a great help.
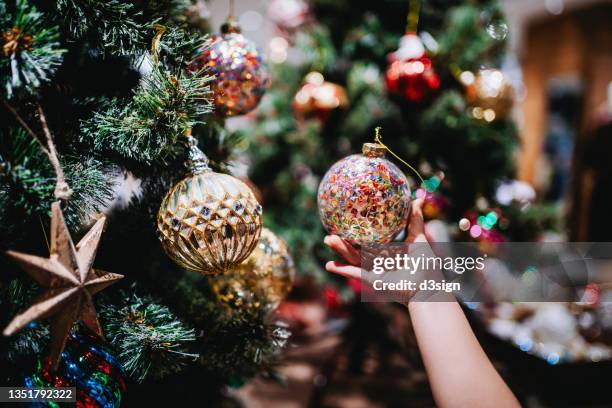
x: 70, y: 281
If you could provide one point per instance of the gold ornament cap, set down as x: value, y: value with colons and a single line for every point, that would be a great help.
x: 373, y: 150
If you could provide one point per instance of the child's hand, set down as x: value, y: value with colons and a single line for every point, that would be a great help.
x: 416, y: 233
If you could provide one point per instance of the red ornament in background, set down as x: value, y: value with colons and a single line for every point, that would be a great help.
x: 410, y: 75
x: 332, y: 298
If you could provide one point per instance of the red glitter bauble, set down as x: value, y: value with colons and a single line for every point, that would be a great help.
x: 411, y: 75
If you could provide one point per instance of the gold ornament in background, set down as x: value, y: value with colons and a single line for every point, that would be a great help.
x: 266, y: 276
x: 489, y: 94
x: 271, y: 265
x: 208, y: 222
x: 70, y: 280
x: 318, y: 98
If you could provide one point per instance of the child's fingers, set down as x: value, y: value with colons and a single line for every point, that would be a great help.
x: 416, y: 224
x: 343, y: 248
x: 348, y: 271
x: 417, y: 221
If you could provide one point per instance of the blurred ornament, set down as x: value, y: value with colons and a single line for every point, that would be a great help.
x: 208, y: 222
x: 278, y: 47
x: 318, y: 98
x: 332, y: 298
x: 272, y: 266
x: 502, y: 328
x: 88, y: 364
x: 197, y: 12
x: 464, y: 224
x: 288, y: 14
x: 267, y: 274
x: 481, y: 225
x: 514, y: 190
x: 490, y: 95
x: 434, y: 203
x: 241, y: 77
x: 235, y: 292
x: 364, y: 198
x: 70, y: 280
x: 498, y: 29
x: 553, y: 323
x: 411, y: 75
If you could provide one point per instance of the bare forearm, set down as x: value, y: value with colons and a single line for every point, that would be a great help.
x: 459, y: 371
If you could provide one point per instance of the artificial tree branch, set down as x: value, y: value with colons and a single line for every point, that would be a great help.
x: 25, y: 125
x: 62, y: 189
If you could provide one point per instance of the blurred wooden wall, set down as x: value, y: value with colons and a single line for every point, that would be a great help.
x: 575, y: 43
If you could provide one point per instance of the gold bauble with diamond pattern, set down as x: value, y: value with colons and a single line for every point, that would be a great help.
x: 264, y: 279
x: 209, y: 222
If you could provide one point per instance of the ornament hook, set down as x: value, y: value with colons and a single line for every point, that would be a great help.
x: 160, y: 30
x: 378, y: 139
x: 197, y: 161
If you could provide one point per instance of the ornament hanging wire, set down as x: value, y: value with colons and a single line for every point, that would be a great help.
x: 378, y: 139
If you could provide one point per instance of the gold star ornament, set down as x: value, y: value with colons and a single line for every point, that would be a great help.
x: 70, y: 280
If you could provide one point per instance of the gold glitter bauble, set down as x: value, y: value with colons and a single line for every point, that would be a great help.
x: 265, y: 278
x: 209, y: 222
x: 490, y: 95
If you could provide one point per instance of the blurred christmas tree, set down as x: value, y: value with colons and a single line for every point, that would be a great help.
x: 96, y: 95
x: 431, y: 81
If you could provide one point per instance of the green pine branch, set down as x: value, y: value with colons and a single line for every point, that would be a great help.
x: 30, y: 51
x: 112, y: 26
x: 237, y: 343
x: 28, y: 181
x: 15, y: 296
x: 150, y: 340
x: 147, y: 129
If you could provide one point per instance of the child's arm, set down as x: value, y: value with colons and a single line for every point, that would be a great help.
x: 459, y: 372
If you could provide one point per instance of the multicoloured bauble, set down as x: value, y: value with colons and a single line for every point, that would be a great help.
x: 88, y: 364
x: 241, y: 77
x: 364, y: 198
x: 410, y: 75
x: 318, y: 98
x: 265, y: 278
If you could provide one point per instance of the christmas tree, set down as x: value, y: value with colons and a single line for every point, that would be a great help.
x: 107, y: 107
x: 419, y: 70
x: 97, y: 95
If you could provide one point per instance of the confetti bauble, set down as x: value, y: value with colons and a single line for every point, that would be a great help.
x: 364, y: 198
x: 88, y: 364
x: 410, y: 75
x: 241, y: 77
x: 209, y: 222
x: 318, y: 98
x: 266, y: 276
x: 490, y: 95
